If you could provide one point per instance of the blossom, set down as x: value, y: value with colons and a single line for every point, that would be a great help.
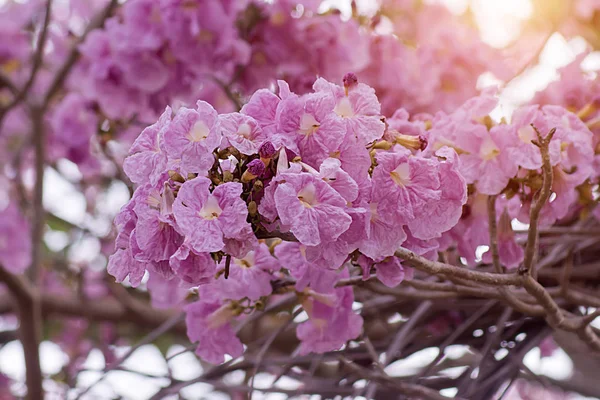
x: 404, y: 185
x: 292, y: 256
x: 147, y: 161
x: 208, y: 322
x: 384, y: 235
x: 206, y: 218
x: 121, y: 265
x: 192, y: 136
x: 358, y: 106
x: 333, y: 255
x: 74, y: 123
x: 331, y: 172
x: 311, y: 125
x: 390, y: 272
x: 262, y: 107
x: 241, y: 131
x: 196, y: 269
x: 249, y: 276
x: 166, y: 293
x: 312, y: 209
x: 329, y: 325
x: 441, y: 215
x: 155, y: 235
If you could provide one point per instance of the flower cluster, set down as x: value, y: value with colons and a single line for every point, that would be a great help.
x: 344, y: 188
x: 322, y: 168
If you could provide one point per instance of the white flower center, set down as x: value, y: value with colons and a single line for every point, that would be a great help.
x: 199, y: 132
x: 401, y: 175
x: 246, y: 262
x: 488, y: 150
x: 308, y: 196
x: 308, y: 124
x: 344, y: 108
x: 526, y: 134
x: 374, y: 214
x: 244, y: 130
x: 211, y: 209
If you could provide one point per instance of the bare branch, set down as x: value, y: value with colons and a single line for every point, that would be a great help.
x: 541, y: 199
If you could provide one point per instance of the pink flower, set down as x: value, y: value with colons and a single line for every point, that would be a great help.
x: 390, y: 272
x: 384, y: 235
x: 404, y: 185
x: 196, y: 269
x: 206, y: 218
x: 292, y: 256
x: 334, y: 254
x: 330, y: 325
x: 310, y: 124
x: 122, y: 265
x: 312, y: 209
x: 208, y: 322
x: 241, y: 131
x: 249, y: 276
x: 74, y: 123
x: 166, y: 293
x: 262, y: 106
x: 147, y: 161
x: 192, y: 137
x: 439, y: 216
x: 155, y: 235
x: 471, y: 230
x: 511, y: 254
x: 358, y: 106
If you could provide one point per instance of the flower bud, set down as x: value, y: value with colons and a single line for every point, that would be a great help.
x: 175, y: 176
x: 227, y: 176
x: 411, y: 142
x: 252, y: 208
x: 350, y: 80
x: 267, y: 150
x: 383, y: 145
x: 589, y: 109
x: 256, y: 168
x: 258, y: 186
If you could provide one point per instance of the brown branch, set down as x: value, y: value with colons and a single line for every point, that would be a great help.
x: 438, y: 268
x: 504, y: 291
x: 531, y: 249
x: 397, y: 344
x: 149, y: 338
x: 5, y: 82
x: 407, y: 389
x: 27, y: 306
x: 263, y: 350
x: 467, y: 382
x: 455, y: 335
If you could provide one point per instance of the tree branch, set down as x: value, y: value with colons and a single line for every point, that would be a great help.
x: 543, y: 195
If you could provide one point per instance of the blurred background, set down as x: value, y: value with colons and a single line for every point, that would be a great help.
x: 539, y: 37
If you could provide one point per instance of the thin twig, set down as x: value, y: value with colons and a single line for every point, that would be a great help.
x: 149, y: 338
x: 399, y: 340
x: 37, y: 61
x: 531, y: 249
x: 267, y: 344
x: 65, y: 69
